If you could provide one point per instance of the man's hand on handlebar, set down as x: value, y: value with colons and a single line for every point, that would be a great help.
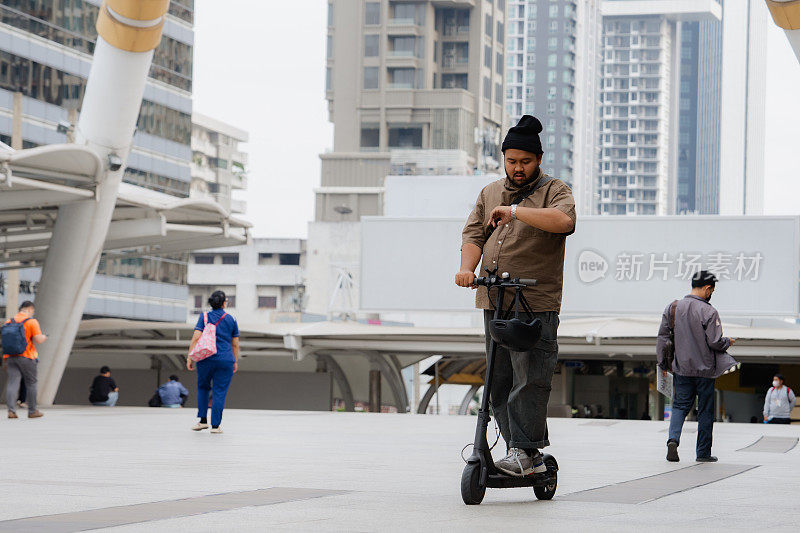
x: 465, y: 278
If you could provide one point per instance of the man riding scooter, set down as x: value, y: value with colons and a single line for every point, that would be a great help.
x: 519, y: 225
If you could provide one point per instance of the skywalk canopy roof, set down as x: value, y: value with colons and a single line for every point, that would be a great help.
x: 34, y: 183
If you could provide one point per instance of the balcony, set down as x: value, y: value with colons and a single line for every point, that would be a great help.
x: 238, y: 207
x: 422, y: 98
x: 455, y: 62
x: 239, y: 181
x: 451, y: 31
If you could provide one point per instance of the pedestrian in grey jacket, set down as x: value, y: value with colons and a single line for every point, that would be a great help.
x: 700, y: 357
x: 779, y: 402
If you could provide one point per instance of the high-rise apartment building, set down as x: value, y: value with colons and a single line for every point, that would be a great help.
x: 410, y: 75
x: 552, y: 72
x: 218, y: 165
x: 681, y: 105
x: 46, y: 52
x: 742, y: 102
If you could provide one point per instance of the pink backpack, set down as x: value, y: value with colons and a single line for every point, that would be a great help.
x: 207, y: 343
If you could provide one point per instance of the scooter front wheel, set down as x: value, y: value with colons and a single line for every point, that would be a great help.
x: 471, y: 490
x: 548, y: 491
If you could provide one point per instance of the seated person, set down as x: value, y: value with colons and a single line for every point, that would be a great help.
x: 104, y: 391
x: 172, y: 393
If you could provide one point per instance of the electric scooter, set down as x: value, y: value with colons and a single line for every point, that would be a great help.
x: 480, y: 471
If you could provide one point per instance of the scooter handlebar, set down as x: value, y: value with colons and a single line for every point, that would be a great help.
x: 496, y: 280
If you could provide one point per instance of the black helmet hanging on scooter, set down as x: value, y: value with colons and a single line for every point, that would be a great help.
x: 515, y: 334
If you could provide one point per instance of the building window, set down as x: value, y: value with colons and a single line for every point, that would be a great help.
x: 230, y: 259
x: 329, y: 47
x: 500, y: 31
x: 328, y: 79
x: 231, y: 299
x: 552, y: 60
x: 372, y: 13
x: 488, y: 24
x: 203, y: 259
x: 264, y: 258
x: 498, y: 94
x: 408, y: 13
x: 371, y: 45
x: 406, y: 46
x: 405, y: 78
x: 289, y: 259
x: 487, y: 57
x: 454, y: 54
x: 198, y: 301
x: 498, y: 63
x: 267, y: 302
x: 330, y: 14
x: 405, y: 137
x: 487, y: 88
x: 370, y: 77
x: 370, y: 136
x: 454, y: 81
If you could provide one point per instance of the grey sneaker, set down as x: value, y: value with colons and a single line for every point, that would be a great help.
x: 519, y: 463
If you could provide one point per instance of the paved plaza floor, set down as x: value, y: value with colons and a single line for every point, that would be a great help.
x: 141, y: 469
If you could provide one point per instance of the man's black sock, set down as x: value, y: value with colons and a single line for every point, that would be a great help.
x: 214, y: 427
x: 204, y: 420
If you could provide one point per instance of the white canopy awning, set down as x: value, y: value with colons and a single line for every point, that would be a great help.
x: 35, y: 182
x: 349, y: 350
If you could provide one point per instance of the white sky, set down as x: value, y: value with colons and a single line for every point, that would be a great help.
x: 260, y: 65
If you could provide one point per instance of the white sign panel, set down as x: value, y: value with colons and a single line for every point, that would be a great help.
x: 638, y: 265
x: 613, y: 265
x: 410, y: 264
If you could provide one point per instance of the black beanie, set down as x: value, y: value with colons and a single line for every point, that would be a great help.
x: 703, y: 278
x: 525, y: 136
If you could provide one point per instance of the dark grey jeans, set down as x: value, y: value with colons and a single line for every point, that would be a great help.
x: 522, y: 383
x: 17, y: 369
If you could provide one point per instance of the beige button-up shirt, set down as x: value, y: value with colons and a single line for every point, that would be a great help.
x: 517, y: 248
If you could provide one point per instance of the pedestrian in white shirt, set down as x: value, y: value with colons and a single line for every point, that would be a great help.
x: 779, y: 402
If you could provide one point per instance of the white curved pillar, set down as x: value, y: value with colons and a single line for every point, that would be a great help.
x: 128, y: 32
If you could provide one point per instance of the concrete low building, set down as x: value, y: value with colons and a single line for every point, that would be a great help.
x: 263, y: 280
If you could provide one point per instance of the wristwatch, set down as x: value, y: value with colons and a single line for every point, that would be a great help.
x: 513, y: 211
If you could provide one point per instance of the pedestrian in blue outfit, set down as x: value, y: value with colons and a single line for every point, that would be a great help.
x: 215, y: 372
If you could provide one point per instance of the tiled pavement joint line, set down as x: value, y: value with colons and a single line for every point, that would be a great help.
x: 771, y: 445
x: 651, y: 488
x: 600, y: 423
x: 161, y: 510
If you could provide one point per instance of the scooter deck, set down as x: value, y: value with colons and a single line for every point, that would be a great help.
x: 499, y: 481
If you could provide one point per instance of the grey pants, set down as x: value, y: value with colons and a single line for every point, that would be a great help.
x: 19, y: 368
x: 522, y: 383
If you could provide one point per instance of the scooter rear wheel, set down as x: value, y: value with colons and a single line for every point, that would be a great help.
x: 471, y: 490
x: 548, y: 491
